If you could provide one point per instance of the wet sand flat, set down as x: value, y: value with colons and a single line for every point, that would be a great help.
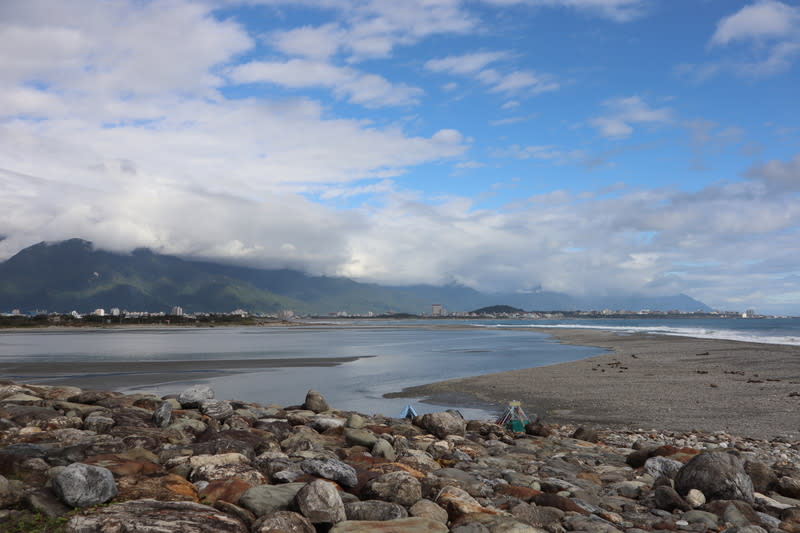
x: 652, y: 381
x: 119, y: 374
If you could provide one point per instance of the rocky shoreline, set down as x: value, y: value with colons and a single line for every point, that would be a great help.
x: 82, y: 461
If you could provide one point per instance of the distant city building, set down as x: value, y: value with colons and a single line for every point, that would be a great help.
x: 16, y: 312
x: 115, y: 311
x: 437, y: 310
x: 285, y: 314
x: 99, y: 312
x: 240, y: 313
x: 750, y: 313
x: 176, y: 311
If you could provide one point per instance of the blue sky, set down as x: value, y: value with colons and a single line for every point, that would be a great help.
x: 583, y: 146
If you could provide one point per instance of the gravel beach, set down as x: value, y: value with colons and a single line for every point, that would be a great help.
x: 652, y: 381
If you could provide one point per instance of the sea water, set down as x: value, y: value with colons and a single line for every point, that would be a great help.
x: 392, y: 354
x: 390, y: 358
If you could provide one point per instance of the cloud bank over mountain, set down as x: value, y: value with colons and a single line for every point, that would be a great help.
x: 432, y: 141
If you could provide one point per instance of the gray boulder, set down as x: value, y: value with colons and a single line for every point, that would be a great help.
x: 194, y: 395
x: 661, y: 466
x: 718, y: 475
x: 81, y: 485
x: 216, y: 409
x: 395, y: 487
x: 151, y: 516
x: 162, y: 416
x: 377, y: 510
x: 443, y: 424
x: 403, y: 525
x: 285, y: 521
x: 360, y: 437
x: 319, y: 501
x: 265, y: 499
x: 315, y: 401
x: 332, y: 469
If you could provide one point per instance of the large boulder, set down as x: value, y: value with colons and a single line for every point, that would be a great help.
x: 265, y: 499
x: 285, y: 522
x: 378, y: 510
x: 82, y: 485
x: 718, y: 475
x: 162, y: 416
x: 395, y: 487
x: 332, y: 469
x: 192, y: 397
x: 151, y: 516
x: 443, y: 424
x: 319, y: 501
x: 315, y: 401
x: 403, y: 525
x: 217, y: 409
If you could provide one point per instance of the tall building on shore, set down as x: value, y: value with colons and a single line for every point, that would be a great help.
x: 437, y: 310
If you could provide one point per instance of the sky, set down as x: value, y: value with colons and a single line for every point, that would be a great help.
x: 581, y: 146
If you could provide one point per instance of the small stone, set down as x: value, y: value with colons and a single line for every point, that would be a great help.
x: 695, y: 498
x: 587, y: 435
x: 667, y: 498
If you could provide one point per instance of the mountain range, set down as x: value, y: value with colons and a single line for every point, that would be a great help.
x: 73, y: 274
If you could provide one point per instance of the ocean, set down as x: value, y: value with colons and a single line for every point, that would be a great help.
x: 391, y: 355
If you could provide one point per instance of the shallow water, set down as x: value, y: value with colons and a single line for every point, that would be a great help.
x: 393, y: 357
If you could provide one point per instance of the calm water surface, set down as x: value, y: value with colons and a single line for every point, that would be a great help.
x: 392, y: 358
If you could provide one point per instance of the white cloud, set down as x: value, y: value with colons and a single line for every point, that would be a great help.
x: 768, y: 32
x: 369, y: 90
x: 624, y: 112
x: 371, y: 29
x: 475, y: 65
x: 465, y: 64
x: 616, y: 10
x: 319, y: 42
x: 765, y: 19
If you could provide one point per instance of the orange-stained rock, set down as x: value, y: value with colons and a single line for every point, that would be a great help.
x: 590, y: 476
x: 120, y: 465
x: 385, y: 468
x: 458, y: 503
x: 522, y: 493
x: 229, y: 490
x: 559, y: 502
x: 168, y: 488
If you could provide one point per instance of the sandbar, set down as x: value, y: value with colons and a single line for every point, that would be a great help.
x: 651, y: 381
x: 123, y: 374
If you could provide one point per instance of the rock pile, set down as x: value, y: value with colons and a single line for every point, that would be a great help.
x: 99, y: 461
